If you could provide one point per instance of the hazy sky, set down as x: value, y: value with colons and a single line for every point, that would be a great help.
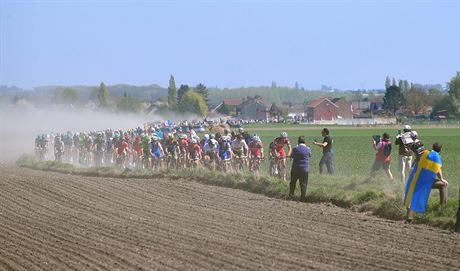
x: 347, y: 44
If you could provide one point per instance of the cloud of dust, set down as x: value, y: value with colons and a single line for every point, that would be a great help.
x: 19, y: 126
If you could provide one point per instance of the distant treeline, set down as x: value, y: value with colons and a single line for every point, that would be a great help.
x: 154, y: 92
x: 276, y: 95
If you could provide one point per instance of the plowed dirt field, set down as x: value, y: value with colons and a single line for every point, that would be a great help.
x: 51, y: 221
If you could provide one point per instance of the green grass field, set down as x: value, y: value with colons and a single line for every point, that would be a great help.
x: 354, y: 156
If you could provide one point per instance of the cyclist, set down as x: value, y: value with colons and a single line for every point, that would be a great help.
x: 138, y: 152
x: 146, y: 151
x: 41, y: 147
x: 58, y: 148
x: 76, y: 147
x: 204, y: 141
x: 156, y: 152
x: 183, y: 147
x: 272, y: 168
x: 122, y: 149
x: 68, y: 142
x: 256, y: 152
x: 225, y: 152
x: 245, y: 134
x: 280, y: 154
x: 100, y: 145
x: 239, y: 146
x: 109, y: 149
x: 194, y: 153
x: 211, y: 150
x: 172, y: 150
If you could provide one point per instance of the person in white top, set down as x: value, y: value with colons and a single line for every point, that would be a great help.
x: 239, y: 146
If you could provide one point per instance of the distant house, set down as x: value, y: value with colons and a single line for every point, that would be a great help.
x: 376, y: 106
x: 274, y: 113
x: 440, y: 115
x: 233, y: 102
x: 295, y: 111
x: 321, y: 109
x: 358, y: 107
x: 252, y: 109
x: 231, y: 105
x: 367, y: 107
x: 344, y: 110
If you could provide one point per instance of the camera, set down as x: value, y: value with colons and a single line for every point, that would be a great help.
x: 376, y: 138
x: 417, y: 147
x: 406, y: 138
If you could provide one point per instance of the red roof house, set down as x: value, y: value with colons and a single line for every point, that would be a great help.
x: 344, y: 110
x: 321, y: 109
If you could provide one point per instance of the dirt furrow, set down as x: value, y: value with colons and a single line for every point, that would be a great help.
x: 61, y: 248
x: 82, y: 242
x: 104, y: 232
x: 51, y: 193
x: 17, y: 257
x: 9, y: 262
x: 180, y: 224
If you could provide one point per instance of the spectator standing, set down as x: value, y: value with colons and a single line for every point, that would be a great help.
x: 404, y: 152
x: 300, y: 166
x: 422, y: 179
x: 383, y: 155
x: 327, y: 152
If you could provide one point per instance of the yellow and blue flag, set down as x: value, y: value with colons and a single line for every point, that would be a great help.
x: 421, y: 180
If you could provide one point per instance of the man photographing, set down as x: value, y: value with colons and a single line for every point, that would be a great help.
x: 327, y: 152
x: 403, y: 140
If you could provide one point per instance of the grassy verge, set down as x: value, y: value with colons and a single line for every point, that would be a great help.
x: 353, y: 194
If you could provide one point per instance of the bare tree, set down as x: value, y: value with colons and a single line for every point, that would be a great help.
x: 416, y: 100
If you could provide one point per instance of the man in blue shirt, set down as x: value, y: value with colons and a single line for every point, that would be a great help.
x: 300, y: 166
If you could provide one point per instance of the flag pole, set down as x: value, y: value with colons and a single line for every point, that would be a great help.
x: 457, y: 225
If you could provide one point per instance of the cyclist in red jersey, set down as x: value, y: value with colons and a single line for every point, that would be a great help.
x: 137, y: 146
x: 256, y: 153
x: 138, y: 151
x: 280, y: 142
x: 194, y: 152
x: 122, y: 147
x: 256, y: 148
x: 280, y: 153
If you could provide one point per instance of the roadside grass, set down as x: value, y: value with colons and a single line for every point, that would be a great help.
x: 354, y: 155
x: 377, y: 196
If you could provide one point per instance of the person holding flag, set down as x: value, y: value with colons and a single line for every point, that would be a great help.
x: 421, y: 181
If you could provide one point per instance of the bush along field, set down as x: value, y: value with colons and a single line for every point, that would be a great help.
x: 349, y: 187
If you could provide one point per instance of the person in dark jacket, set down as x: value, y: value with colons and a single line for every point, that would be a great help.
x: 328, y: 154
x: 300, y: 166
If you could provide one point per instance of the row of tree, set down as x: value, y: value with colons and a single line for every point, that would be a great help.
x: 187, y: 99
x: 400, y: 96
x: 415, y: 99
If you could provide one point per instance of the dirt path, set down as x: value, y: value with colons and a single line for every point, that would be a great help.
x: 52, y: 221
